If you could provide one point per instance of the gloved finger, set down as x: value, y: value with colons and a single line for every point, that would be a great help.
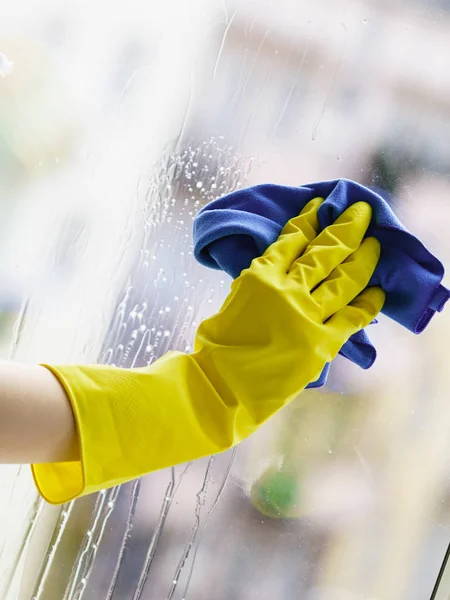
x: 347, y: 280
x: 294, y: 238
x: 356, y: 315
x: 331, y: 247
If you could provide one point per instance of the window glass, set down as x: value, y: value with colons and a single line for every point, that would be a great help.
x: 118, y: 122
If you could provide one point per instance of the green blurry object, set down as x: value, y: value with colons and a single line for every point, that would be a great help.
x: 276, y: 493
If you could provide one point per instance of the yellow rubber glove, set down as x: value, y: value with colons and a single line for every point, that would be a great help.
x: 286, y: 316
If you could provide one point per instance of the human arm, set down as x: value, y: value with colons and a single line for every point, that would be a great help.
x: 36, y: 418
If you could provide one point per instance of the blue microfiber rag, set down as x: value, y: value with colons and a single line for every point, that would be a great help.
x: 233, y: 230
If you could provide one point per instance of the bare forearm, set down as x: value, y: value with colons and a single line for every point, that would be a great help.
x: 36, y: 418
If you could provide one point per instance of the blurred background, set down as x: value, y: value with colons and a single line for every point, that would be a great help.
x: 118, y: 121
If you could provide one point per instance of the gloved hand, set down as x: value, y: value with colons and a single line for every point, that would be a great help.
x: 285, y: 318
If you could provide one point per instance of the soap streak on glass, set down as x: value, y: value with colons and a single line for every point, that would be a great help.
x: 123, y: 546
x: 58, y: 532
x: 103, y: 509
x: 200, y: 502
x: 197, y: 531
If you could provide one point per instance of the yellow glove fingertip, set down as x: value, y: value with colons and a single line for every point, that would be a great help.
x: 372, y: 250
x: 358, y: 215
x: 308, y: 215
x: 371, y: 300
x: 294, y: 238
x: 361, y: 209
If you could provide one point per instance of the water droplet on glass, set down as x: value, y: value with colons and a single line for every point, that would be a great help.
x: 199, y: 185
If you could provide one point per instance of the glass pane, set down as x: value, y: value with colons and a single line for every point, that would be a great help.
x: 117, y: 123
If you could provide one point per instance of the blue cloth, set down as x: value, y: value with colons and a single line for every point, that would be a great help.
x: 233, y: 230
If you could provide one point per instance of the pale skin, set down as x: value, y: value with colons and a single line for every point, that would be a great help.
x: 37, y: 423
